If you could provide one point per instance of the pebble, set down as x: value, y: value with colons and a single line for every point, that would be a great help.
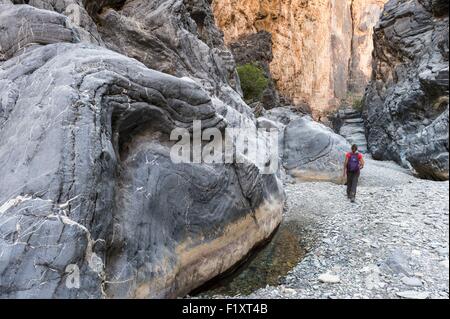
x: 410, y: 294
x: 329, y: 278
x: 288, y: 291
x: 442, y: 251
x: 416, y: 253
x: 412, y: 281
x: 444, y: 264
x: 398, y: 262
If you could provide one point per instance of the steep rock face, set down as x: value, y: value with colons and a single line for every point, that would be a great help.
x: 175, y: 37
x: 256, y: 49
x: 320, y: 48
x: 407, y: 101
x: 365, y: 14
x: 91, y: 205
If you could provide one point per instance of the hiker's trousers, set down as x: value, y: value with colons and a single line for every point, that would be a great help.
x: 352, y: 183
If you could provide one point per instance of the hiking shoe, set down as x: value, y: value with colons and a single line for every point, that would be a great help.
x: 353, y: 200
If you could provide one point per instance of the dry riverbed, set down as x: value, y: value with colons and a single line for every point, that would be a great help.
x: 393, y: 243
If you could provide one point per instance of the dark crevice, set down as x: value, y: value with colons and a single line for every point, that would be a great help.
x: 95, y: 7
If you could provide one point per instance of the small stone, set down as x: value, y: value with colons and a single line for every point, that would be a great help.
x: 365, y: 269
x: 289, y: 291
x: 398, y: 262
x: 412, y: 281
x: 443, y: 251
x: 329, y: 279
x: 416, y: 253
x: 444, y: 264
x: 410, y: 294
x: 435, y: 245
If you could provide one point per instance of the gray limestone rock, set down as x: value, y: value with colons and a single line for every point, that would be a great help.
x: 91, y: 205
x: 313, y: 152
x: 310, y: 151
x: 406, y: 104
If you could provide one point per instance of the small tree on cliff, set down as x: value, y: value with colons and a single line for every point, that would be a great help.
x: 253, y: 81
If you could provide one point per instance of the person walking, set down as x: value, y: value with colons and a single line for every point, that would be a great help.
x: 354, y: 163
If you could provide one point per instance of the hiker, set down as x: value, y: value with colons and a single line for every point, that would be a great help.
x: 354, y: 163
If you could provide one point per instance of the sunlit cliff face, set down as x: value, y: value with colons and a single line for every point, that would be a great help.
x: 322, y: 48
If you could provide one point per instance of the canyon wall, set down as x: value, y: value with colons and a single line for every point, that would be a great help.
x: 321, y: 49
x: 91, y: 204
x: 407, y: 104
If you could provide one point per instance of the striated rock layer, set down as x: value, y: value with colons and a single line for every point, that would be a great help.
x: 321, y: 48
x: 406, y: 105
x: 309, y: 151
x: 91, y: 205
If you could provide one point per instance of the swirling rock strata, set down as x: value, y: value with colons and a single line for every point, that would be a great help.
x: 91, y: 206
x: 406, y: 106
x: 309, y: 150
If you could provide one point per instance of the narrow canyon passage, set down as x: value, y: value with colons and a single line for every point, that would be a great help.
x: 94, y: 96
x: 392, y: 243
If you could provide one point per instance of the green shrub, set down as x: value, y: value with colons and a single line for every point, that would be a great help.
x: 355, y: 101
x: 253, y: 81
x: 358, y: 104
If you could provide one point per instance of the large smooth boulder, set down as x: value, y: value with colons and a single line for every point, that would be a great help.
x: 428, y: 157
x: 313, y: 152
x: 407, y: 101
x: 309, y: 151
x: 91, y: 205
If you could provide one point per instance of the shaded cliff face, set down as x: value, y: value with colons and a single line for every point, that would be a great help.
x: 256, y: 49
x: 365, y: 14
x: 406, y: 105
x: 321, y: 48
x: 91, y: 205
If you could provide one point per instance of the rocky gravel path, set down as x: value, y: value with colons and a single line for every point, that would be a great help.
x: 393, y: 243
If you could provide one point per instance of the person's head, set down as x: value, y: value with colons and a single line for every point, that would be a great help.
x: 354, y: 148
